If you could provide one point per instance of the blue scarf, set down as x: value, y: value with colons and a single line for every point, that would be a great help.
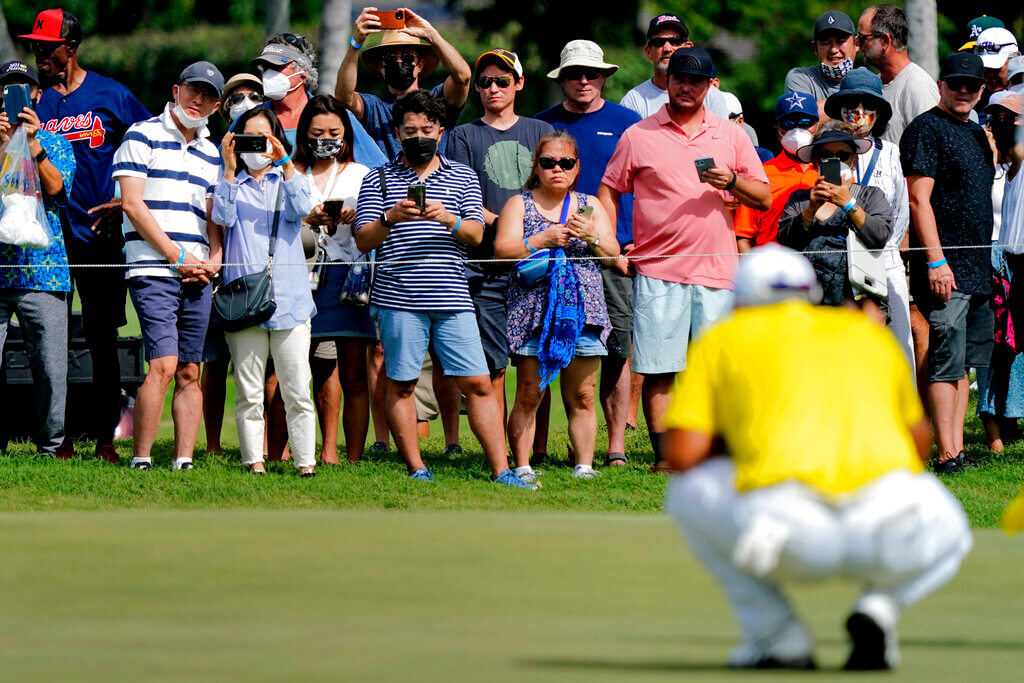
x: 564, y: 315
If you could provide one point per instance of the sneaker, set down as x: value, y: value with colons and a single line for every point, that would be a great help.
x: 108, y: 453
x: 422, y: 474
x: 528, y: 474
x: 142, y: 464
x: 182, y: 464
x: 377, y: 448
x: 951, y: 466
x: 65, y: 451
x: 452, y: 450
x: 308, y: 474
x: 510, y: 478
x: 789, y: 648
x: 584, y: 472
x: 965, y: 460
x: 872, y: 629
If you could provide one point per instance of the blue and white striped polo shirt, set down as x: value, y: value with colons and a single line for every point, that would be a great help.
x: 180, y: 177
x: 434, y: 280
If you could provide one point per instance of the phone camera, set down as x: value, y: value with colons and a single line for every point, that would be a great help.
x: 399, y: 15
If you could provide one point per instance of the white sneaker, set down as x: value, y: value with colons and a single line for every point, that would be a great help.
x: 528, y: 474
x: 789, y: 648
x: 585, y: 472
x: 182, y: 464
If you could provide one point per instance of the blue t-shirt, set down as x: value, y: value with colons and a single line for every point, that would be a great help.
x: 380, y: 123
x: 93, y: 118
x: 597, y: 133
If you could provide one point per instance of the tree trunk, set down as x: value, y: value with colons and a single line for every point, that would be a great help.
x: 924, y: 34
x: 278, y: 16
x: 7, y: 52
x: 335, y: 25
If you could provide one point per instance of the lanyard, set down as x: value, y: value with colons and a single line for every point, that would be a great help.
x: 866, y: 178
x: 331, y: 181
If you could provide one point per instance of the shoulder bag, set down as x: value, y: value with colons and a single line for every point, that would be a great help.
x: 866, y: 268
x: 355, y: 291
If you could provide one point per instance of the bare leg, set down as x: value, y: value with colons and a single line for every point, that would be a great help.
x: 277, y: 421
x: 215, y: 374
x: 636, y: 388
x: 578, y: 380
x: 485, y: 420
x: 522, y: 421
x: 963, y: 390
x: 149, y: 404
x: 540, y: 435
x: 401, y: 409
x: 449, y: 398
x: 615, y: 381
x: 657, y: 394
x: 942, y: 397
x: 992, y: 432
x: 378, y: 392
x: 327, y: 395
x: 186, y: 409
x: 919, y: 330
x: 355, y: 417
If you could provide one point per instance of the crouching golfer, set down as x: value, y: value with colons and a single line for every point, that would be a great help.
x: 824, y: 478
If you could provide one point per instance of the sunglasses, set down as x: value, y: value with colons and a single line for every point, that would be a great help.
x: 575, y: 73
x: 972, y: 85
x: 239, y: 97
x: 991, y: 48
x: 404, y: 57
x: 790, y: 124
x: 43, y: 48
x: 671, y: 40
x: 548, y: 163
x: 843, y: 156
x: 862, y: 38
x: 484, y: 82
x: 852, y: 103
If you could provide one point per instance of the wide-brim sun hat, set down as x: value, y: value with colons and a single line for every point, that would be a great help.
x: 585, y: 53
x: 806, y: 153
x: 236, y: 81
x: 396, y: 38
x: 865, y: 85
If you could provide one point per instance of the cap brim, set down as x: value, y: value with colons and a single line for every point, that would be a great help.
x: 832, y: 105
x: 34, y: 36
x: 371, y: 55
x: 670, y: 25
x: 806, y: 153
x: 995, y: 61
x: 207, y: 81
x: 609, y: 69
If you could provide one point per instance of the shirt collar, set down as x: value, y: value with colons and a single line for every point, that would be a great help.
x: 710, y: 121
x: 168, y: 123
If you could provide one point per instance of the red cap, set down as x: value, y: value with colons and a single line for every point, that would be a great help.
x: 48, y: 25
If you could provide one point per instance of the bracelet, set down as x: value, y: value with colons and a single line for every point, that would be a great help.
x: 458, y: 224
x: 41, y: 157
x: 354, y: 44
x: 181, y: 259
x: 850, y: 205
x: 526, y: 241
x: 283, y: 160
x: 936, y: 264
x: 732, y: 183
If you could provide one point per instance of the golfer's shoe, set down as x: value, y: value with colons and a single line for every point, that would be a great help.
x: 142, y: 464
x: 422, y: 474
x: 872, y: 629
x: 528, y: 474
x: 509, y: 478
x: 182, y: 464
x: 789, y: 648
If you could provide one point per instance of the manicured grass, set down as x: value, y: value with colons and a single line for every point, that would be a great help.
x: 379, y: 595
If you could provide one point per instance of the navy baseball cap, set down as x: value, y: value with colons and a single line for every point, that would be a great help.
x: 796, y: 103
x: 834, y: 21
x: 693, y: 61
x: 16, y: 69
x: 668, y: 21
x: 203, y: 72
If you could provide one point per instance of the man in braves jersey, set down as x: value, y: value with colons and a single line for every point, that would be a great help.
x: 92, y: 112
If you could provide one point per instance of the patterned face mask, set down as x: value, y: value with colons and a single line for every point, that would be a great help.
x: 862, y: 120
x: 838, y: 71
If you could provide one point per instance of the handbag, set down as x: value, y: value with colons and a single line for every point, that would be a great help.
x: 355, y: 291
x: 534, y: 269
x: 866, y: 268
x: 249, y: 300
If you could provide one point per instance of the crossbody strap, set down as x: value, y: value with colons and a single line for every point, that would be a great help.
x: 276, y: 220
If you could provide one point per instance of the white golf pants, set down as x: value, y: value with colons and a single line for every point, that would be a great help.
x: 904, y: 536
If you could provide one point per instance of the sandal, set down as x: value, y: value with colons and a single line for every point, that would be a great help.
x: 616, y: 459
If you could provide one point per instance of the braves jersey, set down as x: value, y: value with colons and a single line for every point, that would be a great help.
x: 93, y: 119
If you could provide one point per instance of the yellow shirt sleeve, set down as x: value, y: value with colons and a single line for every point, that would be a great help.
x: 692, y: 405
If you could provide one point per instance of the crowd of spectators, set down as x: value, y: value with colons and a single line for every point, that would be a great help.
x: 594, y: 239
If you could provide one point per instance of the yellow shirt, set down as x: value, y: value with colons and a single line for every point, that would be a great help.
x: 817, y: 394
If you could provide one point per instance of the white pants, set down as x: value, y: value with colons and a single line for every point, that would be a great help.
x: 250, y: 349
x: 904, y: 536
x: 899, y: 302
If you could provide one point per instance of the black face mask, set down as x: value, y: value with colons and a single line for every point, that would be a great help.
x: 398, y: 74
x: 1003, y: 136
x: 419, y: 150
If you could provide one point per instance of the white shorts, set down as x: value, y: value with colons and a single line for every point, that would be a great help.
x: 666, y: 315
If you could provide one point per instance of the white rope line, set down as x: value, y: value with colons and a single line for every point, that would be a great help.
x: 510, y: 261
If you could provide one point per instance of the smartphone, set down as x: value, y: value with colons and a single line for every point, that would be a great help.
x: 17, y: 96
x: 418, y: 194
x: 830, y: 171
x: 585, y: 211
x: 703, y: 164
x: 332, y: 207
x: 251, y: 143
x: 391, y: 19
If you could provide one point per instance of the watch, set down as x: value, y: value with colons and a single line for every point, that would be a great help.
x: 384, y: 220
x: 41, y: 157
x: 597, y: 240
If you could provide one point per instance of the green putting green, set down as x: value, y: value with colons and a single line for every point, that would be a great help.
x: 380, y: 595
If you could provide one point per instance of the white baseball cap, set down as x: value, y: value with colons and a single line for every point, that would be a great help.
x: 995, y: 46
x: 732, y: 104
x: 773, y: 273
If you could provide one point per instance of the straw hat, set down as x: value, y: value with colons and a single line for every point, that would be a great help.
x: 391, y: 39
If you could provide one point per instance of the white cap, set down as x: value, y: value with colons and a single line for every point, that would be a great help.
x: 1015, y: 67
x: 584, y: 53
x: 732, y: 104
x: 995, y: 45
x: 773, y: 273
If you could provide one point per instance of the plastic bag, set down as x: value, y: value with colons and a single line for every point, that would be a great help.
x: 23, y: 219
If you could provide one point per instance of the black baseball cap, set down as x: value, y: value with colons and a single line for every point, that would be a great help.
x: 668, y: 21
x: 962, y: 65
x: 693, y: 61
x: 16, y: 69
x: 834, y: 21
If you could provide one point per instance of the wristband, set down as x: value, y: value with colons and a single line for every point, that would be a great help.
x: 354, y: 44
x: 458, y: 224
x: 850, y: 205
x: 526, y: 241
x: 41, y: 157
x: 732, y: 183
x: 937, y: 264
x: 282, y: 161
x: 181, y: 259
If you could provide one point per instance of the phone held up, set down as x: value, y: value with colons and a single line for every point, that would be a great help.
x: 703, y: 164
x: 17, y: 96
x: 332, y: 207
x: 831, y: 172
x: 418, y: 193
x: 391, y: 19
x: 585, y: 211
x: 251, y: 143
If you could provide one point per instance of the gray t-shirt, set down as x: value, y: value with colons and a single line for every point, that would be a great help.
x: 647, y: 98
x: 810, y: 79
x: 911, y: 93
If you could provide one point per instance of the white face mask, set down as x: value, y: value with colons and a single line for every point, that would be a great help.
x: 276, y: 84
x: 846, y: 173
x: 795, y: 139
x: 187, y: 120
x: 255, y: 161
x: 237, y: 110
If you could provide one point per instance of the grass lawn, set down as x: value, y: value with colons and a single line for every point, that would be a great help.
x: 391, y: 595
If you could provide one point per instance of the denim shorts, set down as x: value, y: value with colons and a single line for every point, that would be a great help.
x: 589, y: 344
x: 173, y: 316
x: 406, y: 335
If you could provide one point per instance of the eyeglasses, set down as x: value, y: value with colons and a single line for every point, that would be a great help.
x: 671, y: 40
x: 972, y: 85
x: 404, y: 57
x: 790, y: 124
x: 991, y: 48
x: 239, y: 97
x: 548, y: 163
x: 733, y: 117
x: 576, y: 73
x: 1001, y: 119
x: 861, y: 38
x: 44, y: 48
x: 205, y: 94
x: 484, y: 82
x: 843, y: 156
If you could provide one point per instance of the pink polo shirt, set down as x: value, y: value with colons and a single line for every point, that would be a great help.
x: 673, y: 212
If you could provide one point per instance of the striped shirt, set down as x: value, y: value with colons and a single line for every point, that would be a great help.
x: 180, y: 177
x: 434, y: 279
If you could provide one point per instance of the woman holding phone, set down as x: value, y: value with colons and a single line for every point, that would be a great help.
x: 819, y: 220
x: 342, y: 333
x: 261, y: 191
x: 559, y: 322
